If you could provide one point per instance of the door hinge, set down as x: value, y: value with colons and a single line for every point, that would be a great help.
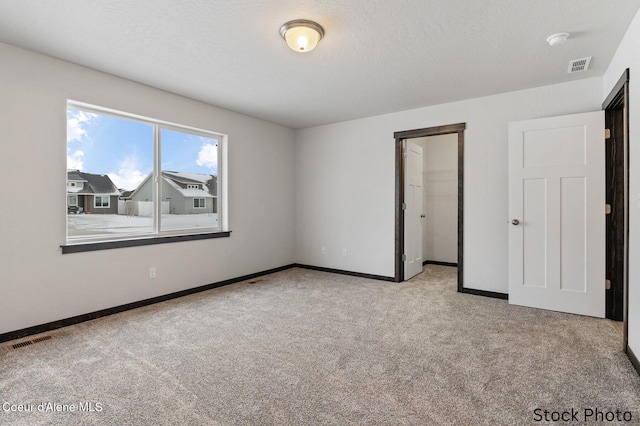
x: 404, y: 257
x: 404, y: 206
x: 607, y: 284
x: 607, y: 134
x: 607, y: 209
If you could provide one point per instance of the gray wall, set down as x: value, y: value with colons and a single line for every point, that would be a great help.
x: 345, y: 175
x: 35, y: 90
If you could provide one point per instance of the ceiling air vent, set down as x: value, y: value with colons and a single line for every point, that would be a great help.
x: 578, y: 65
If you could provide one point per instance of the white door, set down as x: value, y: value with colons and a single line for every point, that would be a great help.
x: 413, y: 209
x: 556, y: 214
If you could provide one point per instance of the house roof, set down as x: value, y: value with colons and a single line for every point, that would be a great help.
x: 377, y: 57
x: 176, y: 179
x: 75, y: 175
x: 125, y: 193
x: 208, y: 182
x: 93, y: 183
x: 182, y: 177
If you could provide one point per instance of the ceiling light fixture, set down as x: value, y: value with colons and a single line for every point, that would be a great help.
x: 302, y: 35
x: 557, y: 39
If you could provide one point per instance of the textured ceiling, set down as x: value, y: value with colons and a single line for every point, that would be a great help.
x: 378, y: 56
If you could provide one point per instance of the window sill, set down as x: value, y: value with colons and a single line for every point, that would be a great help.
x: 106, y: 245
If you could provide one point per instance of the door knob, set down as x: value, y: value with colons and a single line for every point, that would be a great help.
x: 515, y: 222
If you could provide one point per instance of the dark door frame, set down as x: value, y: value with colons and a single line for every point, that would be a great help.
x: 399, y: 192
x: 616, y: 107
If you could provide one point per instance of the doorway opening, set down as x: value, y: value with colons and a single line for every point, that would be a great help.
x: 440, y: 199
x: 616, y: 108
x: 400, y: 164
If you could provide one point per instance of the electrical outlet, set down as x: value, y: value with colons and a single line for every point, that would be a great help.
x: 344, y: 252
x: 152, y: 272
x: 323, y: 250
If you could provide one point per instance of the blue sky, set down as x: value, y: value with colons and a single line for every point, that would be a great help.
x: 123, y: 149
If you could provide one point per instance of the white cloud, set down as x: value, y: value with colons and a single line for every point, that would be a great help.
x: 129, y: 176
x: 208, y: 156
x: 74, y: 161
x: 76, y: 121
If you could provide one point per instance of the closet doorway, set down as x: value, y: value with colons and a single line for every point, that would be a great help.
x: 440, y: 199
x: 436, y: 178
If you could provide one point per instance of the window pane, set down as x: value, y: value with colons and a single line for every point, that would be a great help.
x: 102, y: 201
x: 189, y: 185
x: 111, y: 157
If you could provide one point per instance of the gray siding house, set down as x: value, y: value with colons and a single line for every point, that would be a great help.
x: 91, y: 193
x: 182, y: 193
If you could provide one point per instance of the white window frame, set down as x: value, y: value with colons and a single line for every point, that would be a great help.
x: 158, y: 125
x: 204, y: 203
x: 102, y: 197
x: 69, y: 197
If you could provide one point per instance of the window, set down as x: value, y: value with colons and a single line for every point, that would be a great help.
x: 101, y: 201
x: 153, y: 168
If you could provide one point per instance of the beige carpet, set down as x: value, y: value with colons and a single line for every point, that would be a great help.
x: 303, y: 347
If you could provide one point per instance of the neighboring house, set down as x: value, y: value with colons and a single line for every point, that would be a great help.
x: 91, y: 193
x: 125, y: 205
x: 182, y: 193
x: 125, y: 194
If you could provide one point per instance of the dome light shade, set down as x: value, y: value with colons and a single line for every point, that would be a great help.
x: 556, y: 39
x: 302, y: 35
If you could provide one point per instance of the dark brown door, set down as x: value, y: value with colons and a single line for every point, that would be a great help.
x: 616, y: 107
x: 615, y: 170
